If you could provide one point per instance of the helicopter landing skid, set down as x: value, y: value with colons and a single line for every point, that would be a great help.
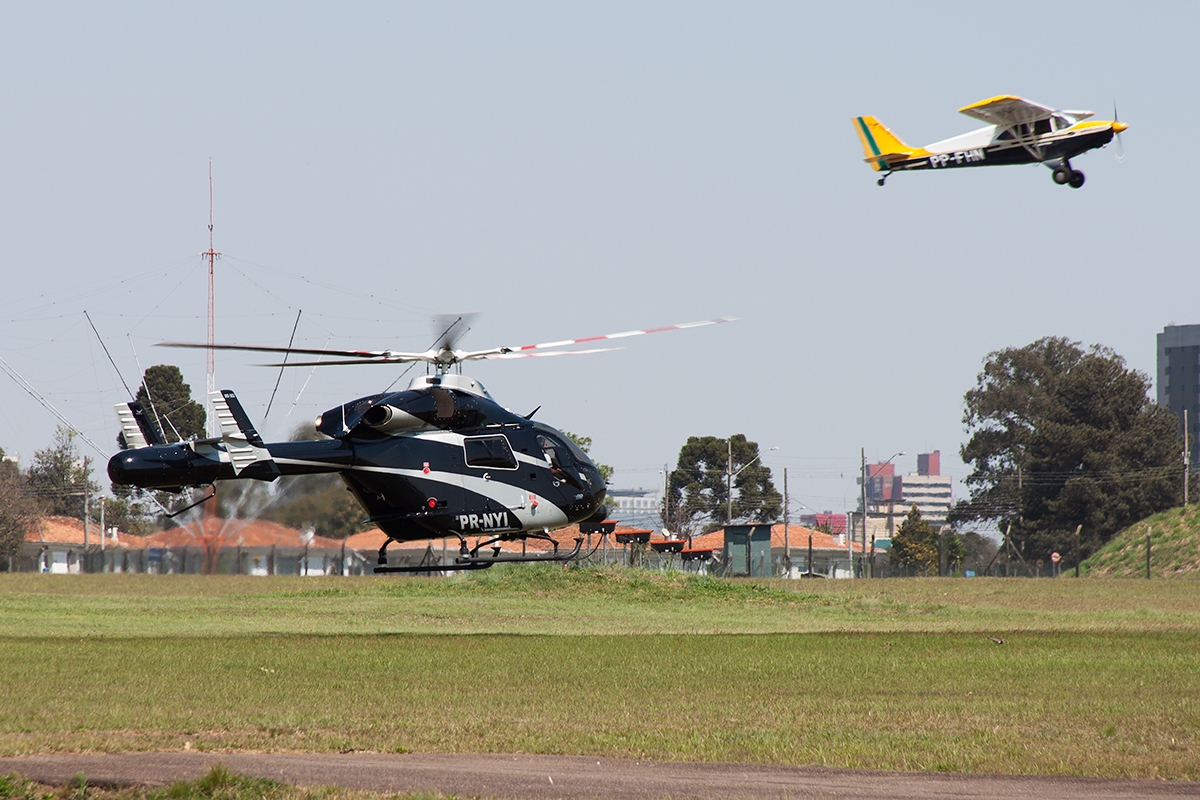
x: 471, y: 559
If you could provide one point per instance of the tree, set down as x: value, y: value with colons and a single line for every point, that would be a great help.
x: 168, y: 402
x: 318, y: 502
x: 981, y: 550
x: 915, y: 543
x: 17, y: 510
x: 1060, y: 437
x: 698, y: 495
x: 60, y: 478
x: 952, y: 550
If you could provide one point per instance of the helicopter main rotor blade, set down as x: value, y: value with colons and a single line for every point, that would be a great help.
x: 554, y: 353
x: 622, y: 335
x: 363, y: 354
x: 398, y: 359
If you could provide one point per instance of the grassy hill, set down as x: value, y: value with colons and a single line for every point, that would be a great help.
x: 1174, y: 548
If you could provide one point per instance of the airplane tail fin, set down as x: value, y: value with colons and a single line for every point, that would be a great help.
x: 879, y: 144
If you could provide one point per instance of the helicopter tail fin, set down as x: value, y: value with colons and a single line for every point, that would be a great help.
x: 136, y: 428
x: 248, y: 454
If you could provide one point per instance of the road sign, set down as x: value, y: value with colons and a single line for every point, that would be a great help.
x: 1055, y: 557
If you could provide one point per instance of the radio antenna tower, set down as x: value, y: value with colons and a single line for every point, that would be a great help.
x: 211, y: 255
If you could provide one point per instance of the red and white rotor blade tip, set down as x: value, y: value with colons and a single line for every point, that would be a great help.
x: 622, y: 335
x: 554, y: 353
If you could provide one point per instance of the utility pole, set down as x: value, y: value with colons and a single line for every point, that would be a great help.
x: 1187, y: 456
x: 666, y: 504
x: 87, y: 539
x: 787, y: 542
x: 729, y: 485
x: 863, y: 454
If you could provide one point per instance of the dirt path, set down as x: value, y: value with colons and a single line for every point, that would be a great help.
x: 524, y: 776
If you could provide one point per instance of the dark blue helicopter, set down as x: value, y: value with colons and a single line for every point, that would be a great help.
x: 439, y: 459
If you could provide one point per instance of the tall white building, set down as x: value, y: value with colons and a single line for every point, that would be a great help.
x: 929, y: 490
x: 932, y: 495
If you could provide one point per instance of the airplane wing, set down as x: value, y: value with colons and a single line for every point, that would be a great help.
x: 1007, y: 111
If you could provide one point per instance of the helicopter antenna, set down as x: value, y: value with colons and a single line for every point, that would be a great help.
x: 291, y: 339
x: 163, y: 418
x: 210, y: 254
x: 110, y: 358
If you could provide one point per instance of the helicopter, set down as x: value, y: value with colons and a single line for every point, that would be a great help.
x: 439, y: 459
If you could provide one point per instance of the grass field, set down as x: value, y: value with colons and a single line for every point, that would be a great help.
x: 1094, y: 677
x: 1175, y: 548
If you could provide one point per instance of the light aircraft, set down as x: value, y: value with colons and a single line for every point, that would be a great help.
x: 440, y: 459
x: 1018, y: 132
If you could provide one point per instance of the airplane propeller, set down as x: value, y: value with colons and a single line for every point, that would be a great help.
x: 1117, y: 128
x: 442, y: 354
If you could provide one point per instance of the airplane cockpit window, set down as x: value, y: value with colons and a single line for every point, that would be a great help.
x: 1041, y: 127
x: 492, y: 452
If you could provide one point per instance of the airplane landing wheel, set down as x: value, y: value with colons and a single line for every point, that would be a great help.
x: 1076, y: 179
x: 1062, y: 175
x: 880, y: 181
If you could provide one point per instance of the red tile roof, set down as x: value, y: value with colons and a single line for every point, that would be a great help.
x: 798, y: 535
x: 215, y: 531
x: 565, y: 537
x: 68, y: 530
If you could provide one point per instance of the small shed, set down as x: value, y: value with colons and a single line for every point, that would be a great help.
x: 748, y: 551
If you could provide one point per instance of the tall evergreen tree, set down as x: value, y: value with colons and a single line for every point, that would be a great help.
x: 168, y: 401
x: 698, y: 496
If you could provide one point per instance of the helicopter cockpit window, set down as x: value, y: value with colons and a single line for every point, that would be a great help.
x: 490, y: 452
x: 562, y: 462
x: 554, y: 452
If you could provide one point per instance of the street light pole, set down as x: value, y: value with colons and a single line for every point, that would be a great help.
x: 730, y: 475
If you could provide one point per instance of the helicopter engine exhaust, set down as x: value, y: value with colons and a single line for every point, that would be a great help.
x: 385, y: 419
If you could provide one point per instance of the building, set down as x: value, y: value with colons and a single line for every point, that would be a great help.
x: 890, y: 496
x: 929, y: 490
x: 828, y: 522
x: 63, y: 545
x: 214, y: 545
x: 636, y: 506
x: 833, y: 555
x: 1178, y: 378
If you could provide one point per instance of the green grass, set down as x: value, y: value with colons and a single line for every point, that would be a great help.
x: 1174, y: 548
x: 597, y: 601
x: 1094, y: 678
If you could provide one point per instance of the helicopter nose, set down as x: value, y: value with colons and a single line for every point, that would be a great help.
x: 1118, y: 127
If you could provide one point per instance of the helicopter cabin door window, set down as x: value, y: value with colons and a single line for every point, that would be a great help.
x: 489, y: 452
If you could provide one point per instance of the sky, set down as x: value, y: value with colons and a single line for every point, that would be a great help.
x: 569, y: 169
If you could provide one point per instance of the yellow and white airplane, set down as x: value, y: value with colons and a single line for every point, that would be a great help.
x: 1018, y: 132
